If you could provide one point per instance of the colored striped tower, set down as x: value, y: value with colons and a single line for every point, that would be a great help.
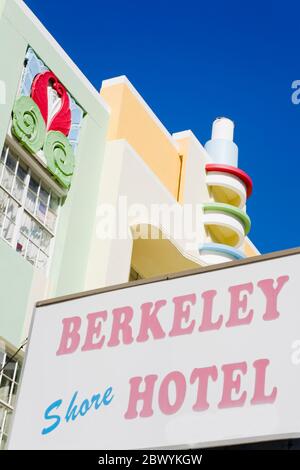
x: 225, y: 219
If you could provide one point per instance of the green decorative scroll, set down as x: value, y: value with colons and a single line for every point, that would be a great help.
x: 60, y: 157
x: 28, y: 125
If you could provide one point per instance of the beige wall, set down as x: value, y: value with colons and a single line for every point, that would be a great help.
x: 132, y: 120
x: 177, y: 160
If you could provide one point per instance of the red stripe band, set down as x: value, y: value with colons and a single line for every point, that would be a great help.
x: 233, y: 171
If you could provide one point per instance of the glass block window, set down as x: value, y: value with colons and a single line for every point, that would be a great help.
x: 28, y: 210
x: 9, y: 380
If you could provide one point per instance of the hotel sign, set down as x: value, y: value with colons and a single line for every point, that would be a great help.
x: 200, y: 359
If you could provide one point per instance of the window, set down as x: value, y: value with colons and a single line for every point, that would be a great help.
x: 28, y: 210
x: 9, y: 380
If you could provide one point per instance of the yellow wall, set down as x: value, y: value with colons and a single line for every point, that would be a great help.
x: 184, y: 150
x: 132, y: 119
x: 167, y: 156
x: 157, y: 257
x: 249, y: 249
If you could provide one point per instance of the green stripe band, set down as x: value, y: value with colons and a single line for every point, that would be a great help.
x: 232, y: 210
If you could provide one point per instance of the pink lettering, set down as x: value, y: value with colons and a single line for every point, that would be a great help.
x: 271, y: 294
x: 207, y: 322
x: 94, y: 331
x: 182, y: 314
x: 121, y: 324
x: 70, y: 337
x: 260, y: 397
x: 150, y: 321
x: 237, y: 303
x: 180, y: 388
x: 202, y: 375
x: 232, y: 384
x: 136, y: 395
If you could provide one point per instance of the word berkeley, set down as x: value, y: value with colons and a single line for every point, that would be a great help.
x: 157, y: 319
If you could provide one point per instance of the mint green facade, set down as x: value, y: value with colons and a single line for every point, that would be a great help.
x: 20, y: 283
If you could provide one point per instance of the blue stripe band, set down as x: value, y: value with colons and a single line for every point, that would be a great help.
x: 217, y: 248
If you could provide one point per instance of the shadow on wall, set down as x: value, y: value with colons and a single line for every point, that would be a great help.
x: 158, y: 256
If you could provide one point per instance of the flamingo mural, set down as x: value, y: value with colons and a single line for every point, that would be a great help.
x: 46, y: 119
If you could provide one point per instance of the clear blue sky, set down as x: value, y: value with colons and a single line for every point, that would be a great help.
x: 194, y: 60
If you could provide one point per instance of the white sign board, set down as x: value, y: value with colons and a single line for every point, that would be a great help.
x: 198, y: 360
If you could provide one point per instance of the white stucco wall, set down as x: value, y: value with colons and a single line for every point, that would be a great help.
x: 125, y: 174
